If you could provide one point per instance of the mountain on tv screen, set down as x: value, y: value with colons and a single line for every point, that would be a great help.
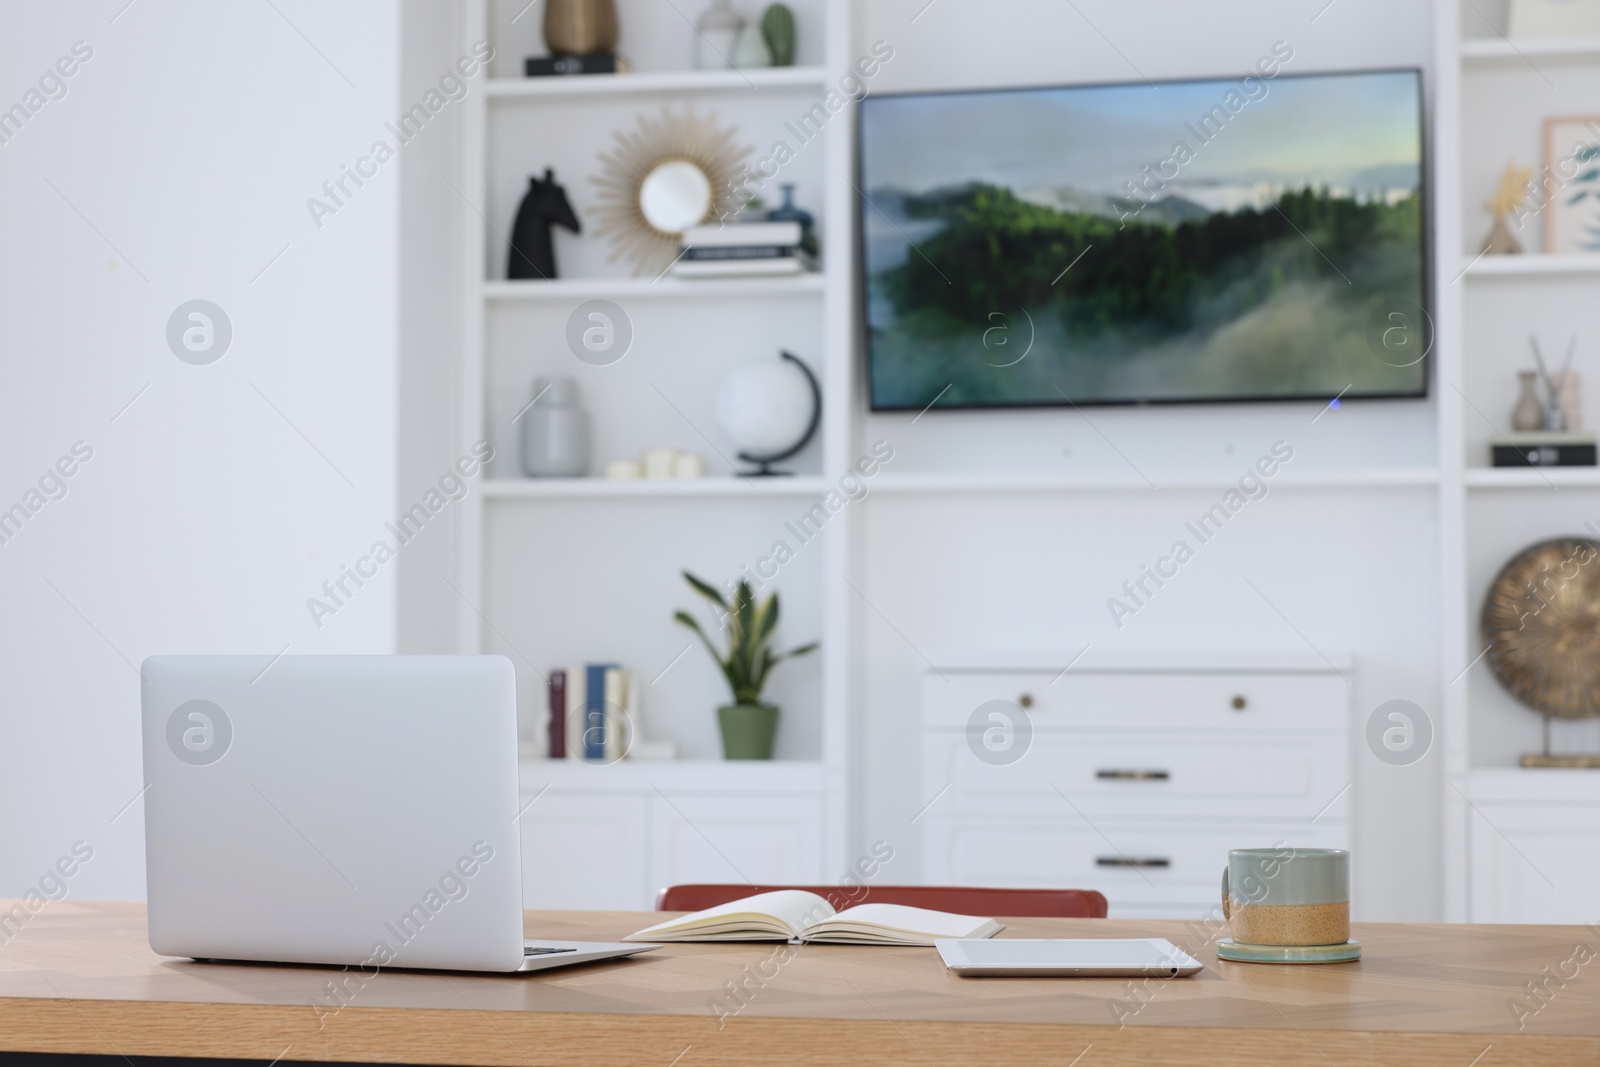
x: 1255, y: 238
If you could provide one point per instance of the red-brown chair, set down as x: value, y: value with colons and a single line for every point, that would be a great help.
x: 964, y: 900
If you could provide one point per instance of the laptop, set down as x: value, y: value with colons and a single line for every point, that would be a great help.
x: 339, y: 810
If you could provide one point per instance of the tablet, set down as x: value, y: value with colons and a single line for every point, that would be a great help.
x: 1155, y: 957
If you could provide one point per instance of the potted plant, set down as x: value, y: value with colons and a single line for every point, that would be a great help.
x: 748, y: 725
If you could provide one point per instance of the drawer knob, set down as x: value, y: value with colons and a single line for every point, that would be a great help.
x: 1114, y: 775
x: 1239, y: 703
x: 1026, y: 700
x: 1132, y: 861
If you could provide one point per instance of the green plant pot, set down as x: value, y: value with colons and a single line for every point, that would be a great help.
x: 748, y: 730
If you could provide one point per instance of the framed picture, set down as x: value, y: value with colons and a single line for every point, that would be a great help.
x: 1554, y: 18
x: 1572, y: 156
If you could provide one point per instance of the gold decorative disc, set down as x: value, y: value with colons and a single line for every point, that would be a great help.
x: 1541, y: 621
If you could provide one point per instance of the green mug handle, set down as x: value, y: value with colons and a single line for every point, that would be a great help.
x: 1225, y: 908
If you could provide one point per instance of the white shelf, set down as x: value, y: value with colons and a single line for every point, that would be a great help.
x: 653, y: 288
x: 1532, y: 477
x: 992, y: 482
x: 1487, y: 50
x: 653, y: 82
x: 671, y: 776
x: 623, y: 488
x: 1533, y: 265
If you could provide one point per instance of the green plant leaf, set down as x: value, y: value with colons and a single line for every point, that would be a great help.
x: 802, y: 650
x: 706, y: 589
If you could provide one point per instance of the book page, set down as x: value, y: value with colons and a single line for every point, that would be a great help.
x: 898, y: 918
x: 786, y: 910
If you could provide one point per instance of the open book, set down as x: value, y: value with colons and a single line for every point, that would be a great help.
x: 795, y: 915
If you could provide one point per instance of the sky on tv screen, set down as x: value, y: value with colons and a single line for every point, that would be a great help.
x: 1207, y: 240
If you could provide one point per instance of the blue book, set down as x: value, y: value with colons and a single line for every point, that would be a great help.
x: 594, y: 711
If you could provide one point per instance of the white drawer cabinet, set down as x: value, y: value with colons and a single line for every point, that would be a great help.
x: 1156, y: 700
x: 611, y: 837
x: 1138, y: 774
x: 1135, y: 781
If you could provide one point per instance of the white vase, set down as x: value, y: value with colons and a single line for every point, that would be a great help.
x: 751, y: 50
x: 716, y: 33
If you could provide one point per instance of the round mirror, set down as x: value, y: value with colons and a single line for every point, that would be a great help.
x: 674, y: 196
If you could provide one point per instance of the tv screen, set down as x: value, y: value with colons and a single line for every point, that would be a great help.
x: 1221, y: 240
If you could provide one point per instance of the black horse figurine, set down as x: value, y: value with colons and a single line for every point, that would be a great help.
x: 533, y: 254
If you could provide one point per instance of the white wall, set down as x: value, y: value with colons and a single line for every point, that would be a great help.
x: 177, y: 166
x: 1355, y: 570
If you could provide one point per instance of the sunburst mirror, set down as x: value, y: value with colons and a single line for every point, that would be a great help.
x: 661, y: 178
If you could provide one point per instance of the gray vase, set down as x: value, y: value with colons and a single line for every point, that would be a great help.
x: 555, y: 431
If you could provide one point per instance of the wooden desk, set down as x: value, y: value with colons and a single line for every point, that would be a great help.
x: 80, y: 978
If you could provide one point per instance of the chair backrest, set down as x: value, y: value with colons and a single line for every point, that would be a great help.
x: 964, y: 900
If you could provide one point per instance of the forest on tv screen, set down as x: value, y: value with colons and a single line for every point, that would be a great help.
x: 1276, y: 300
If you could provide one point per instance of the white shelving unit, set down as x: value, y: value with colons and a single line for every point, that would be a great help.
x: 560, y: 571
x: 1519, y: 843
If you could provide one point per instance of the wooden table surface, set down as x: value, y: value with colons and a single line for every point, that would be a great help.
x: 79, y: 977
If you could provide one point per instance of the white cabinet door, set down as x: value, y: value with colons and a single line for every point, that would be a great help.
x: 586, y: 850
x: 1534, y: 863
x: 736, y: 839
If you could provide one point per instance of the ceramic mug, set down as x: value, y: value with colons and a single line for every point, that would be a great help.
x: 1287, y: 896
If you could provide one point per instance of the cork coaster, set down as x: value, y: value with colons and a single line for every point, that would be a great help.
x: 1242, y: 952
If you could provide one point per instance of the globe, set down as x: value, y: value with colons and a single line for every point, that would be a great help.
x: 766, y: 408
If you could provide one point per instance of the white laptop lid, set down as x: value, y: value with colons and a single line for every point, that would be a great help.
x: 333, y: 809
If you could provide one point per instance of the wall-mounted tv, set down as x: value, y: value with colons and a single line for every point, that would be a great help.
x: 1262, y: 238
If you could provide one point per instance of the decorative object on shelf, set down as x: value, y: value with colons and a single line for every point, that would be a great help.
x: 663, y: 177
x: 715, y: 33
x: 533, y: 253
x: 770, y: 411
x: 562, y: 66
x: 748, y: 725
x: 1554, y: 419
x: 658, y: 462
x: 742, y: 249
x: 580, y: 27
x: 777, y: 26
x: 788, y: 212
x: 555, y: 431
x: 1539, y: 622
x: 1507, y: 198
x: 1569, y: 398
x: 557, y: 725
x: 1528, y: 415
x: 1553, y: 18
x: 750, y: 49
x: 1572, y: 165
x: 1542, y: 448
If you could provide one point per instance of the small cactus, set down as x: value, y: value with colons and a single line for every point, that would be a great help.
x: 777, y: 26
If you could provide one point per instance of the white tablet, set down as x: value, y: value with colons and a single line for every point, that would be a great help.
x: 1155, y: 957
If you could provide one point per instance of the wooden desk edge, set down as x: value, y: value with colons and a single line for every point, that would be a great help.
x: 519, y: 1039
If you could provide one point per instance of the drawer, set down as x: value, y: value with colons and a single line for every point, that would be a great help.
x: 1134, y: 866
x: 1283, y: 776
x: 1122, y: 701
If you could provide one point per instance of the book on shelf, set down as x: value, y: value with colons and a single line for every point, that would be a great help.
x: 558, y: 715
x: 1544, y: 448
x: 798, y: 916
x: 726, y: 235
x: 594, y: 716
x: 742, y: 248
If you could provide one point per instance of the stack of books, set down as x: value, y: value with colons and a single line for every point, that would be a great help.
x: 742, y: 249
x: 594, y: 716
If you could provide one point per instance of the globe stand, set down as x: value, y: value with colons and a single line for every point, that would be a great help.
x: 764, y: 463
